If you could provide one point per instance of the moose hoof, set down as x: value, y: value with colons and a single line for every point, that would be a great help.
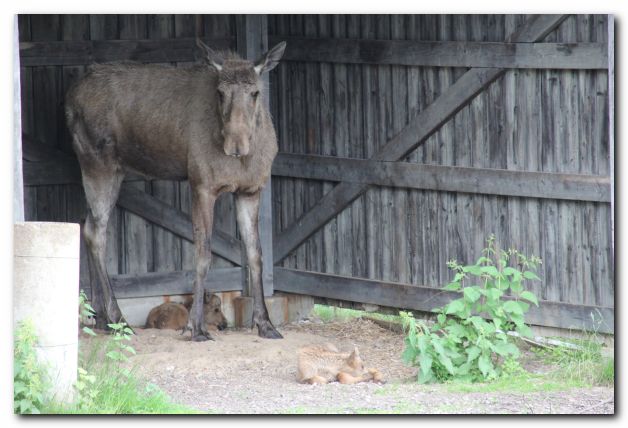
x: 266, y: 330
x: 202, y: 337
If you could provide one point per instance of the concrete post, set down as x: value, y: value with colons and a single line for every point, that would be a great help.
x: 46, y: 287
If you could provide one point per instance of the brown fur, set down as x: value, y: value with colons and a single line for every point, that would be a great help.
x: 175, y: 316
x: 207, y: 124
x: 320, y: 364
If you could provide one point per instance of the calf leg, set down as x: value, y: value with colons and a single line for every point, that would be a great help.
x: 247, y: 207
x: 316, y: 380
x: 203, y: 201
x: 101, y: 192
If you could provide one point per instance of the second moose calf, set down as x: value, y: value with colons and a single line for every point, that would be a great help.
x: 171, y: 315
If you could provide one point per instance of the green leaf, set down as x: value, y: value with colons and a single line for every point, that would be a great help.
x: 89, y: 331
x: 516, y: 286
x: 524, y: 306
x: 456, y: 330
x: 454, y: 306
x: 471, y: 294
x: 425, y: 362
x: 19, y: 387
x: 422, y: 343
x: 409, y: 355
x: 530, y: 297
x: 446, y: 361
x: 473, y: 352
x: 485, y: 364
x: 509, y: 271
x: 490, y: 270
x: 459, y: 277
x: 483, y: 259
x: 473, y: 270
x: 425, y: 378
x: 505, y: 348
x: 25, y: 405
x: 441, y: 318
x: 524, y: 330
x: 531, y: 275
x: 452, y: 286
x: 478, y: 323
x: 494, y: 294
x: 513, y: 307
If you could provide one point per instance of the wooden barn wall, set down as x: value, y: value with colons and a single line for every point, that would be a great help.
x: 133, y: 244
x: 529, y: 120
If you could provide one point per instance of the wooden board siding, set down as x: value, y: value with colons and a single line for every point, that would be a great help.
x: 550, y: 121
x: 524, y: 153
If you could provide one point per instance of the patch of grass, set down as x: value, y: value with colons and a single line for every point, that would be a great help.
x: 332, y: 313
x: 524, y: 383
x: 115, y: 390
x: 586, y: 365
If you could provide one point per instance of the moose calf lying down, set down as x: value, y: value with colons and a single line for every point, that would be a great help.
x: 320, y: 364
x: 175, y: 316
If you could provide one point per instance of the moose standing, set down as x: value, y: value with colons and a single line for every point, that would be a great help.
x: 207, y: 124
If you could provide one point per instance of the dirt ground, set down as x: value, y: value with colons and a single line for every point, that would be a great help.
x: 242, y: 373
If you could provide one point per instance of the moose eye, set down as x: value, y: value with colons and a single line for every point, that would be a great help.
x: 221, y: 96
x: 255, y: 94
x: 216, y: 310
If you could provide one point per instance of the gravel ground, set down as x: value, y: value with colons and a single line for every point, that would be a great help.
x: 242, y: 373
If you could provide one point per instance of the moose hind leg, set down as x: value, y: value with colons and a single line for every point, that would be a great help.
x: 247, y: 208
x: 101, y: 192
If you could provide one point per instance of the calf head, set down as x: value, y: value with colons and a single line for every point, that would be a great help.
x: 213, y: 312
x: 238, y: 94
x: 353, y: 365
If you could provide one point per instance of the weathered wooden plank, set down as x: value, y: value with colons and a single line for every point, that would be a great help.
x: 87, y: 52
x: 415, y: 133
x: 173, y: 282
x: 313, y: 142
x: 47, y: 114
x: 446, y: 178
x: 341, y: 141
x: 103, y: 27
x: 406, y: 296
x: 177, y: 222
x: 585, y: 56
x: 607, y: 215
x: 356, y: 149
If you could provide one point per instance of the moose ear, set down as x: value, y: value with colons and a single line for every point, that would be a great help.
x: 212, y: 57
x: 270, y: 60
x: 214, y: 301
x: 355, y: 354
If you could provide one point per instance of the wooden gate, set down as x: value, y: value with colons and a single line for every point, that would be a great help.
x: 405, y: 140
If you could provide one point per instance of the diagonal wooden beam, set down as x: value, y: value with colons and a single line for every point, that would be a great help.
x: 176, y: 221
x: 415, y: 133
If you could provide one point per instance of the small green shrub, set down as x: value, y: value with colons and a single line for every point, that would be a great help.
x: 470, y: 335
x: 30, y: 381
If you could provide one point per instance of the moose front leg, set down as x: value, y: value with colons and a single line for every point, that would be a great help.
x: 203, y: 201
x: 247, y: 207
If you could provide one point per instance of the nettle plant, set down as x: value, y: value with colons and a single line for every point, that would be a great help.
x: 469, y: 340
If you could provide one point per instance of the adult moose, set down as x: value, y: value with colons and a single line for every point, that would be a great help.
x: 207, y: 124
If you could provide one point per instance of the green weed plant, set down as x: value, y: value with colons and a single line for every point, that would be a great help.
x: 469, y: 341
